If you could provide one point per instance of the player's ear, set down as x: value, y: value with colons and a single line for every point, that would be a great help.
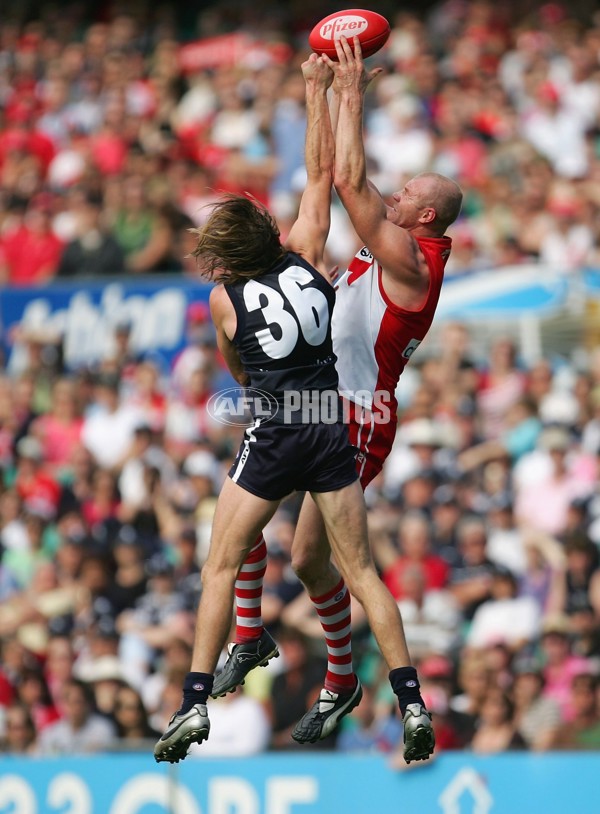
x: 428, y: 215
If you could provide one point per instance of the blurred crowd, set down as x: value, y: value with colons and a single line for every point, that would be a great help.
x: 485, y: 523
x: 115, y: 132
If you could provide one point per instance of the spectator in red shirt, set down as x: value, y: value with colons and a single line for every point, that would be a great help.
x: 36, y: 488
x: 103, y: 503
x: 414, y: 537
x: 31, y: 252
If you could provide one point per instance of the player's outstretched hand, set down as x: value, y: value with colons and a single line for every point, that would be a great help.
x: 349, y: 70
x: 317, y: 72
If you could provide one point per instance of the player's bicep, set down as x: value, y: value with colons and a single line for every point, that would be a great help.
x: 395, y: 249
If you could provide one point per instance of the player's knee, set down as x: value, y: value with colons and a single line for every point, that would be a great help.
x: 361, y: 583
x: 213, y: 572
x: 307, y: 566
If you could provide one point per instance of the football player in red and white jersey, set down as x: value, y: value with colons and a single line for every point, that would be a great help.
x: 385, y: 305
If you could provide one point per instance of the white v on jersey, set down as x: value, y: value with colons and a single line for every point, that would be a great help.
x: 373, y: 338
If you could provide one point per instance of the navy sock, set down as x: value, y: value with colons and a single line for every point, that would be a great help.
x: 405, y: 685
x: 196, y: 689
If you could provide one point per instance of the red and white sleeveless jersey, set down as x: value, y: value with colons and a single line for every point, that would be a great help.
x: 373, y: 338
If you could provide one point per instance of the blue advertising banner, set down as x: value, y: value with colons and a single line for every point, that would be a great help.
x: 86, y: 315
x: 509, y: 291
x: 454, y: 783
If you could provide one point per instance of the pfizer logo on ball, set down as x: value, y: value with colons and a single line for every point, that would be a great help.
x: 347, y: 26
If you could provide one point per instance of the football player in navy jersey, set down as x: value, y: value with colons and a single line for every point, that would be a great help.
x: 272, y: 311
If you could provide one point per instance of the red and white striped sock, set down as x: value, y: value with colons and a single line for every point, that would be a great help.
x: 333, y: 609
x: 248, y: 594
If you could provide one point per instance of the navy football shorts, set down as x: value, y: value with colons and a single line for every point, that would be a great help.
x: 277, y: 459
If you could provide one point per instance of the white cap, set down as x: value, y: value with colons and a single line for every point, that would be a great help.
x: 421, y: 431
x: 105, y: 668
x: 200, y: 464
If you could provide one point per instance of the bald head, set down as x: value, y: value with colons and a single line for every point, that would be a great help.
x: 440, y: 193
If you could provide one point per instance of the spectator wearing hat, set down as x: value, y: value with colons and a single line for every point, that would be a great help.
x: 537, y: 717
x: 99, y: 651
x: 105, y: 675
x: 29, y: 613
x: 414, y: 451
x: 417, y: 491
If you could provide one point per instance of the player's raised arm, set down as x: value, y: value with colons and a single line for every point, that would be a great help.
x: 309, y: 233
x: 362, y: 201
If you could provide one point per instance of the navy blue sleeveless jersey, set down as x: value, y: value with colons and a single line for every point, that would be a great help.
x: 283, y: 331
